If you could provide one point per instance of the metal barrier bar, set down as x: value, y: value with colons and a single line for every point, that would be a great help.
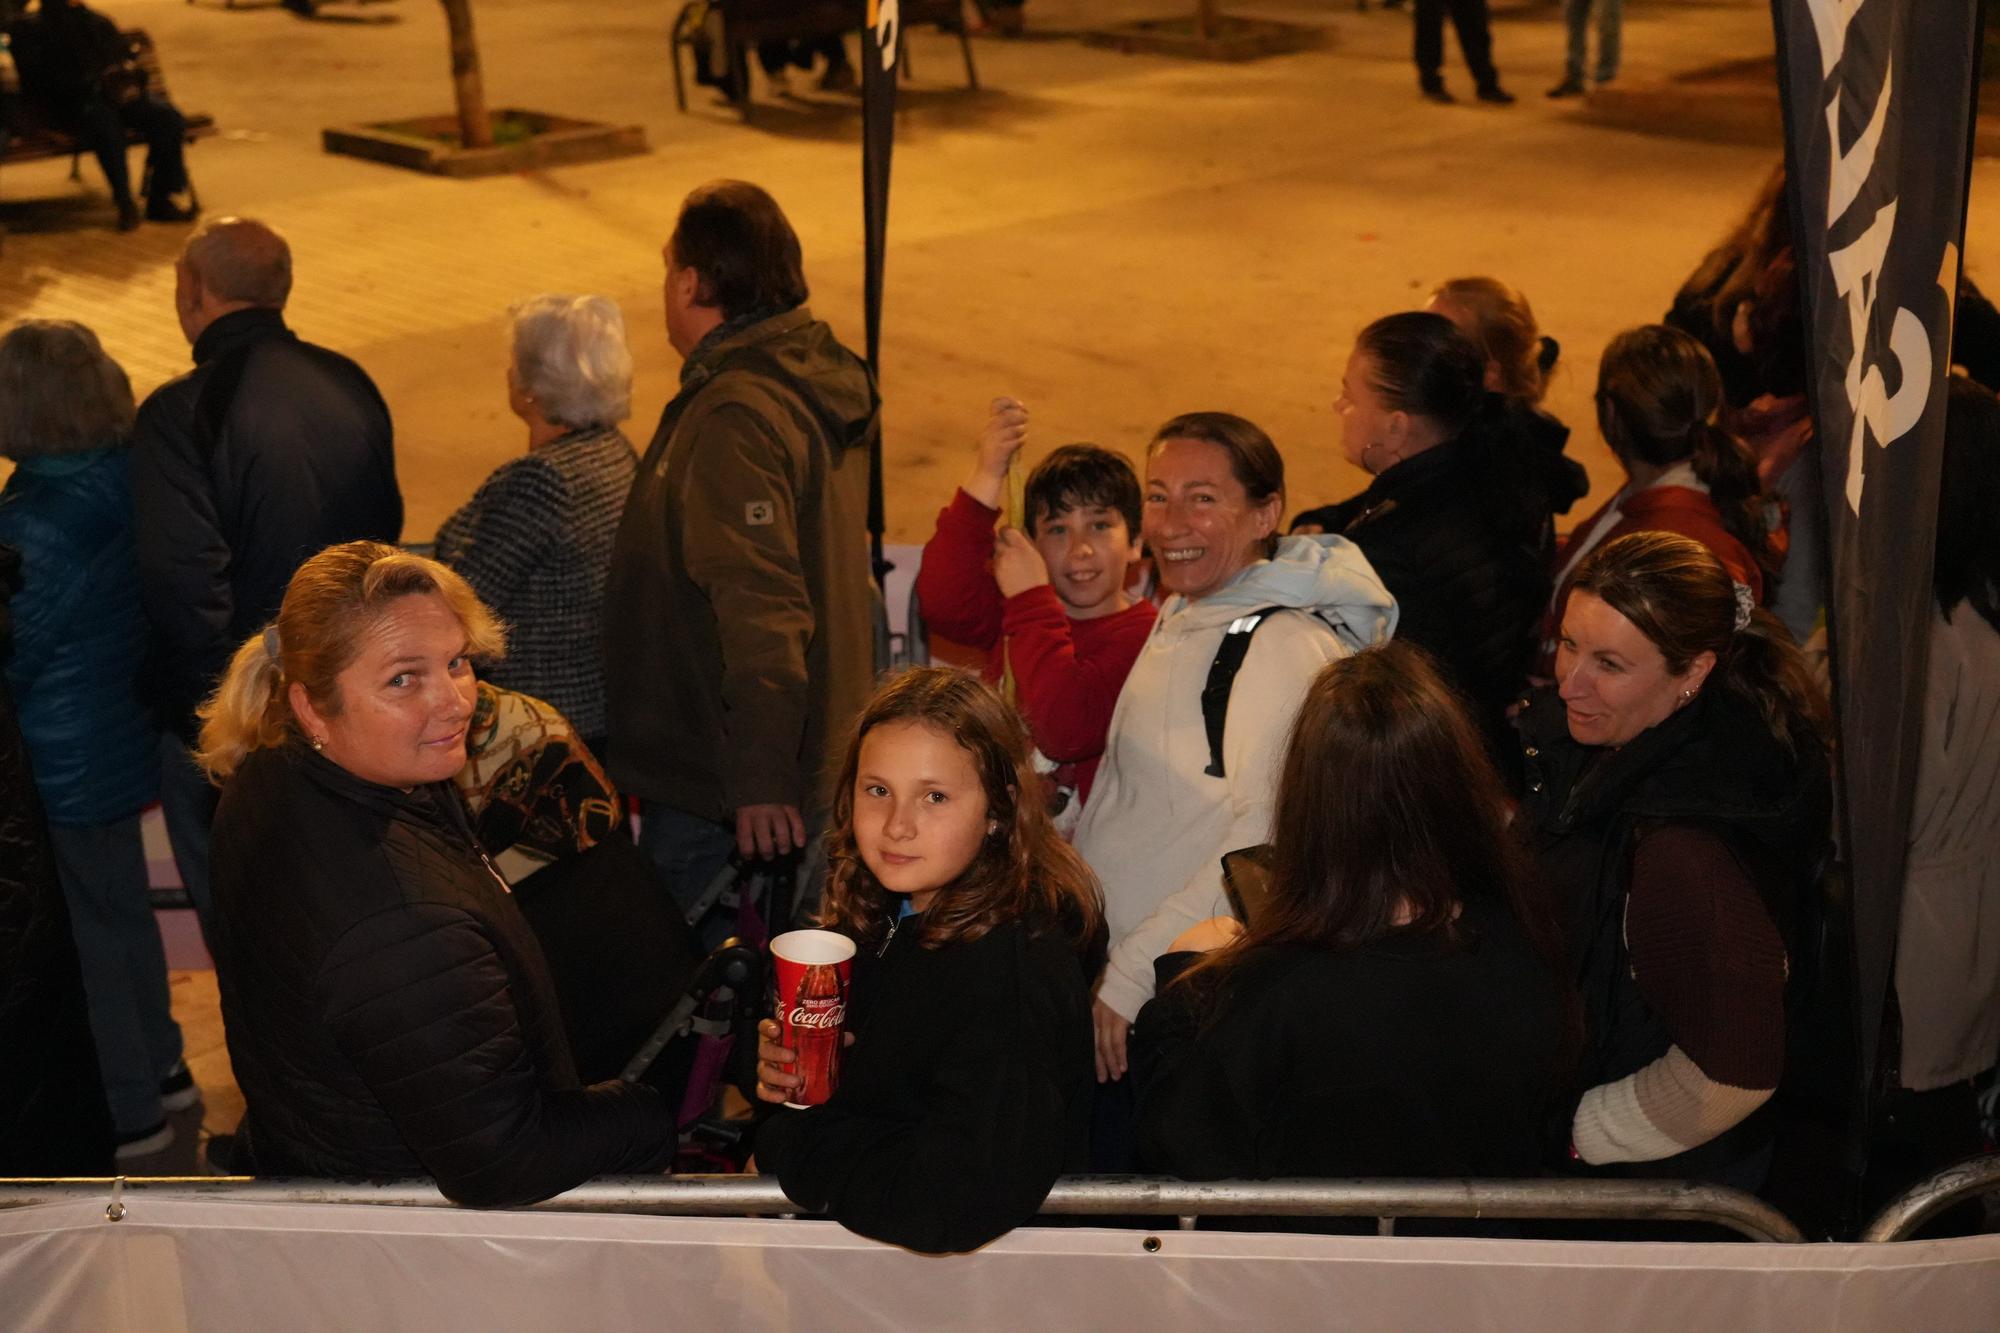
x: 1073, y: 1196
x: 1927, y: 1198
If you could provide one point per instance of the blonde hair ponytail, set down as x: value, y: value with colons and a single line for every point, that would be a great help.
x: 247, y: 712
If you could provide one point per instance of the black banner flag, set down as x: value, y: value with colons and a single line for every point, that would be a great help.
x: 1878, y: 99
x: 879, y: 47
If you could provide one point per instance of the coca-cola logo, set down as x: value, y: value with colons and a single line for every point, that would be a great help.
x: 817, y: 1017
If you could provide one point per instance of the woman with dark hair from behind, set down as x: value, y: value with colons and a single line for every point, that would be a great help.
x: 1659, y: 404
x: 1948, y: 950
x: 1468, y: 574
x: 1679, y: 802
x: 1396, y: 1006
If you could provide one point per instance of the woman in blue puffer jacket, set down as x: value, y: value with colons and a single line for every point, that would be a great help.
x: 79, y: 635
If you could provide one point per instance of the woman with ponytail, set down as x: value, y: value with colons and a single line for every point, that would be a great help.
x: 1529, y: 477
x: 389, y: 1012
x: 1679, y: 801
x: 1659, y: 400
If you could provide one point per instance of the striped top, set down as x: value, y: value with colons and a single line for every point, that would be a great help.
x: 535, y: 543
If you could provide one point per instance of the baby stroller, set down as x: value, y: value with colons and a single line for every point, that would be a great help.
x: 639, y: 1001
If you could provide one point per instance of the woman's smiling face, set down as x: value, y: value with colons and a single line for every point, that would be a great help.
x: 1614, y: 680
x: 1200, y: 522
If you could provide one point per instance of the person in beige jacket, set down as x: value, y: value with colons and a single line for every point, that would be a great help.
x: 738, y: 633
x: 1948, y: 949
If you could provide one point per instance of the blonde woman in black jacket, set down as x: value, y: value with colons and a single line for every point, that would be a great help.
x: 389, y: 1012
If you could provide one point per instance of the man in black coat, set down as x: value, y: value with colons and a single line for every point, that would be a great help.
x: 267, y: 451
x: 76, y: 69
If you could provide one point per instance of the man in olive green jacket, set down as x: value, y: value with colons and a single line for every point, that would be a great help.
x: 739, y: 640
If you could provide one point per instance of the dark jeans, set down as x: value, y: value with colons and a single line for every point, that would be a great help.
x: 1475, y: 40
x: 103, y: 872
x: 101, y: 127
x: 187, y: 800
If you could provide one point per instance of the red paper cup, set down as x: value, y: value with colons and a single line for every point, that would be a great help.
x: 810, y: 973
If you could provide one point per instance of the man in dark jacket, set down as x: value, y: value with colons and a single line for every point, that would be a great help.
x: 267, y: 451
x: 739, y: 638
x: 76, y: 69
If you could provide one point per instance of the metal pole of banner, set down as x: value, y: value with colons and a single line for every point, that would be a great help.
x: 1073, y: 1196
x: 1927, y: 1198
x: 880, y: 42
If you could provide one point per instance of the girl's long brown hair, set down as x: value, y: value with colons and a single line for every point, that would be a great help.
x: 1388, y: 800
x: 1024, y: 871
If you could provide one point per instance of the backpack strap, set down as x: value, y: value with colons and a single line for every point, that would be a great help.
x: 1222, y: 671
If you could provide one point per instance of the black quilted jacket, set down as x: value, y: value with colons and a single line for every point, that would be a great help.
x: 389, y: 1012
x: 1466, y: 570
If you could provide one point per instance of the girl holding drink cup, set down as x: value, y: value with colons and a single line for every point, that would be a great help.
x: 967, y: 1084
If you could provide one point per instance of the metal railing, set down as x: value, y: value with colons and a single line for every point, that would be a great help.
x: 1926, y: 1199
x: 1073, y: 1196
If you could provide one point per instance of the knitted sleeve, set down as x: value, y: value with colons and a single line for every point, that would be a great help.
x: 1706, y: 955
x: 499, y: 536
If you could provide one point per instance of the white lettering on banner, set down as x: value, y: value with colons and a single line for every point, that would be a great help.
x: 1830, y: 19
x: 1856, y: 273
x: 1857, y: 269
x: 885, y: 17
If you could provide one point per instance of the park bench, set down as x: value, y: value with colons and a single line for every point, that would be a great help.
x: 27, y: 138
x: 745, y: 23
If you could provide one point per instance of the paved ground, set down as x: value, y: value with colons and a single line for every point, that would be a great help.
x: 1115, y: 238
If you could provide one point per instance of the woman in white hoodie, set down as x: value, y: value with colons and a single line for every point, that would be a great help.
x: 1159, y: 820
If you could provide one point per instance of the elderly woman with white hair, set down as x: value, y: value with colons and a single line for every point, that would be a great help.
x: 535, y: 540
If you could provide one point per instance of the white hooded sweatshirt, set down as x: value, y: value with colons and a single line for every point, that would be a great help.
x: 1157, y: 825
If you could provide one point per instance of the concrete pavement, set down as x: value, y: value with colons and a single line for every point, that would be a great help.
x: 1114, y: 238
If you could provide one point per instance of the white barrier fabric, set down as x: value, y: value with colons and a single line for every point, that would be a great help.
x: 187, y: 1266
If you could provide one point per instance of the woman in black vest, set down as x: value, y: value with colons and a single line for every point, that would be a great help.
x: 1437, y: 522
x: 1679, y: 801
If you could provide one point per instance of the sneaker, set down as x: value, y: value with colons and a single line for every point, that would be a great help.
x: 144, y: 1143
x: 178, y: 1090
x: 1567, y: 88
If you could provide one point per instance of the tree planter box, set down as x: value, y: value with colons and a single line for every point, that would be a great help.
x: 522, y: 140
x: 1228, y: 38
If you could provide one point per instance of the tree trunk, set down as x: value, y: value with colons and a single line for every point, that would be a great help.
x: 1208, y: 18
x: 475, y: 129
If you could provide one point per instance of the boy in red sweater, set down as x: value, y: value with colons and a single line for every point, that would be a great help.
x: 1050, y: 602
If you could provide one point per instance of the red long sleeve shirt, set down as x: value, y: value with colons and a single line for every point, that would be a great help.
x: 1067, y: 672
